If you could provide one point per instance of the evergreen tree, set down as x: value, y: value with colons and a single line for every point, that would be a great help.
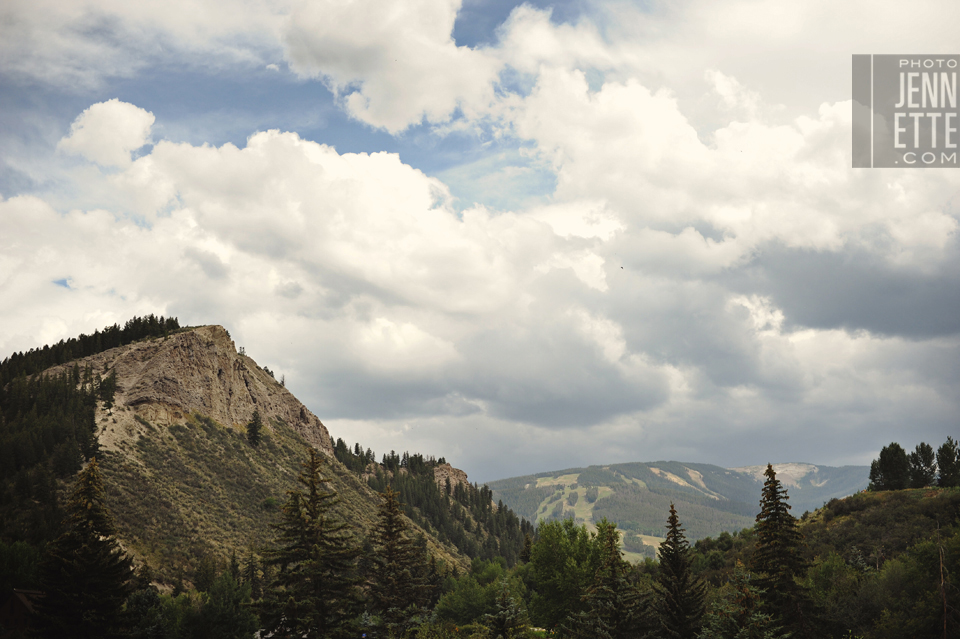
x: 397, y: 587
x: 892, y: 470
x: 948, y: 464
x: 250, y: 575
x: 255, y: 429
x: 234, y: 566
x: 923, y: 466
x: 107, y: 389
x: 509, y: 619
x: 616, y: 609
x: 680, y: 596
x: 226, y: 612
x: 208, y: 567
x: 315, y: 592
x: 737, y: 613
x: 777, y: 556
x: 527, y: 548
x: 145, y: 617
x: 85, y: 574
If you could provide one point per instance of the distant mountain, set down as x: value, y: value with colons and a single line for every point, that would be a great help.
x: 637, y: 496
x: 812, y: 486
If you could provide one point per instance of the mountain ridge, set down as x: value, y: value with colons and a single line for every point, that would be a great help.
x: 637, y: 495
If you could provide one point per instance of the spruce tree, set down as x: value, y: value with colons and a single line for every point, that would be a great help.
x: 234, y: 566
x: 948, y: 464
x: 892, y: 470
x: 509, y: 618
x: 86, y: 577
x: 226, y: 612
x: 680, y: 596
x: 255, y: 429
x: 205, y: 572
x: 737, y: 613
x: 250, y: 574
x: 397, y: 588
x: 527, y: 548
x: 616, y: 609
x: 923, y: 466
x: 314, y: 593
x: 777, y: 556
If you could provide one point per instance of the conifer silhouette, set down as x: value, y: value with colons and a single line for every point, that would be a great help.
x: 315, y: 592
x: 398, y: 590
x: 86, y: 576
x: 777, y: 557
x: 680, y: 601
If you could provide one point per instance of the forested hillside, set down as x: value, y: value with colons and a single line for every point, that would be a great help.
x: 878, y: 564
x: 462, y: 514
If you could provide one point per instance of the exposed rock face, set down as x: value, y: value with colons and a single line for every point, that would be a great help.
x: 199, y: 371
x: 442, y: 472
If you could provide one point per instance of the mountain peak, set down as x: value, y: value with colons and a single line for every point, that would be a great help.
x: 197, y: 370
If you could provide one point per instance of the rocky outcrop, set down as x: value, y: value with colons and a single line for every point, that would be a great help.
x: 197, y: 371
x: 443, y: 472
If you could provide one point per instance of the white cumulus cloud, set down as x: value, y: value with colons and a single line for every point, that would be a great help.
x: 107, y: 132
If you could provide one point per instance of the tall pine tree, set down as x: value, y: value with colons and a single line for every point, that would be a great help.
x: 250, y: 574
x: 948, y: 464
x: 777, y: 556
x: 255, y: 429
x: 891, y: 471
x: 398, y: 591
x: 923, y: 466
x: 680, y: 596
x: 315, y: 592
x: 86, y: 576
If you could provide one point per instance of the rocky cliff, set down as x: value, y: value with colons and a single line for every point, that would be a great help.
x: 443, y: 472
x: 197, y: 371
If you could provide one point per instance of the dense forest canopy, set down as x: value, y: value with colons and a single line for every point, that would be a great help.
x: 40, y: 359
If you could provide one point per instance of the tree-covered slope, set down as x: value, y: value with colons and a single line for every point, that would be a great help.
x: 880, y: 565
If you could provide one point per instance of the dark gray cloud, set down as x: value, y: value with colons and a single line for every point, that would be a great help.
x: 858, y: 290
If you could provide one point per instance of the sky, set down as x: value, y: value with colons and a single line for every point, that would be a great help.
x: 521, y: 236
